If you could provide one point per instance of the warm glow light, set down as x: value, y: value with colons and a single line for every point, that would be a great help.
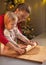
x: 44, y: 1
x: 19, y: 1
x: 29, y: 19
x: 11, y: 6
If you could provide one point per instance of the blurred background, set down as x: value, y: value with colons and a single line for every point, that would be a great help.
x: 36, y: 23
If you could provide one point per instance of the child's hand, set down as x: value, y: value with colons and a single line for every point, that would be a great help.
x: 20, y: 51
x: 17, y: 45
x: 21, y: 46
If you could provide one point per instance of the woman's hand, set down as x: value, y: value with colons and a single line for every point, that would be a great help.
x: 32, y: 43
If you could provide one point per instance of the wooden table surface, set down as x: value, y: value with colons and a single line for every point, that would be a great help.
x: 38, y: 54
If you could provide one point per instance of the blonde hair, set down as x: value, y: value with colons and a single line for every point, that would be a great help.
x: 10, y: 16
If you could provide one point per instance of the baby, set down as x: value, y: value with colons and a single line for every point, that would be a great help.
x: 10, y: 22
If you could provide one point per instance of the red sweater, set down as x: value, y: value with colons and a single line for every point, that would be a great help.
x: 3, y: 39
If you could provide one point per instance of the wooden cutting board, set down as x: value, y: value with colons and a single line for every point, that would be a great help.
x: 38, y: 54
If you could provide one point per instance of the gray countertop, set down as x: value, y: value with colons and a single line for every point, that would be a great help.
x: 41, y: 39
x: 12, y: 61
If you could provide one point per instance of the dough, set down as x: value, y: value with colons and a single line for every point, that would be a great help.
x: 28, y: 48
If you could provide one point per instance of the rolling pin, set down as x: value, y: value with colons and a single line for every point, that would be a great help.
x: 29, y: 47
